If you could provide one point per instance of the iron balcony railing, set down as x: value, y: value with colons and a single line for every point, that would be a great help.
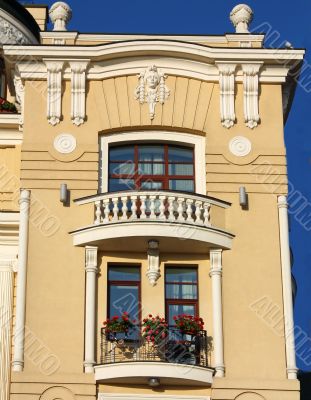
x: 176, y: 347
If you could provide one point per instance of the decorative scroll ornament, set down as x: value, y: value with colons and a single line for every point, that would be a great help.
x: 251, y: 94
x: 54, y: 96
x: 240, y: 146
x: 152, y: 89
x: 19, y: 96
x: 227, y: 94
x: 153, y: 272
x: 78, y: 83
x: 9, y: 34
x: 65, y: 143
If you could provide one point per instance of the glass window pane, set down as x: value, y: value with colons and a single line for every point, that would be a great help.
x: 124, y: 273
x: 116, y: 185
x: 151, y: 185
x: 124, y: 298
x: 121, y: 153
x: 180, y: 169
x: 151, y: 153
x: 150, y: 169
x: 181, y: 185
x: 124, y: 168
x: 177, y: 309
x: 180, y: 154
x: 181, y: 275
x: 184, y: 292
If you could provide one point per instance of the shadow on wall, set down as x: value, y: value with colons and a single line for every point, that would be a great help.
x: 305, y: 382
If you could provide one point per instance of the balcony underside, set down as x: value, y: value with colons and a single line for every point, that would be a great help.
x: 140, y: 372
x: 134, y: 236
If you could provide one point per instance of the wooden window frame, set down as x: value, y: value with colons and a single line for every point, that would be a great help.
x: 164, y: 179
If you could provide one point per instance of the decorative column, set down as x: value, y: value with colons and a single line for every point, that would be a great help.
x: 6, y: 311
x: 78, y: 83
x: 287, y: 289
x: 216, y: 275
x: 227, y: 93
x: 91, y: 270
x: 19, y: 337
x: 54, y: 95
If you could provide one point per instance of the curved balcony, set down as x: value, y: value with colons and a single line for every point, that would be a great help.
x: 122, y: 219
x: 180, y: 359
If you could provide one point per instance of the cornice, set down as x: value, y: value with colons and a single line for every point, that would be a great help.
x: 156, y: 47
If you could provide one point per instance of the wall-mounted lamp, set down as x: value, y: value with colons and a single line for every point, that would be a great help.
x: 154, y: 382
x: 243, y: 197
x: 64, y: 193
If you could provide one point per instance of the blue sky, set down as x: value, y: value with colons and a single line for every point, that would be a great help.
x: 292, y: 21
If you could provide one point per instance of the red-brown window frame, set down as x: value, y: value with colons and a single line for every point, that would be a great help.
x: 137, y: 178
x: 194, y: 302
x: 125, y: 283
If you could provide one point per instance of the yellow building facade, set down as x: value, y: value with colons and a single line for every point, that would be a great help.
x: 144, y: 184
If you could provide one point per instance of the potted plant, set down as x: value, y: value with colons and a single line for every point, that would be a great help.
x: 188, y: 324
x: 6, y: 106
x: 118, y: 324
x: 154, y: 329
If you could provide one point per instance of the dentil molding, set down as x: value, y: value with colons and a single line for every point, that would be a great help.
x: 152, y: 89
x: 240, y: 146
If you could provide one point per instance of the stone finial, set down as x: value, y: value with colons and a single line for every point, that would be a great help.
x: 241, y: 17
x: 60, y: 14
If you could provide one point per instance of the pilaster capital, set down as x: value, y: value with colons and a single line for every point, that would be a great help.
x: 91, y: 264
x: 282, y: 202
x: 216, y: 262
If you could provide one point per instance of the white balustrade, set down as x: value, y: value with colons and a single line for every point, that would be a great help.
x: 152, y: 206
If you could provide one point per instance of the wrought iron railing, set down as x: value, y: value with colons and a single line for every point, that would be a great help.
x: 176, y: 347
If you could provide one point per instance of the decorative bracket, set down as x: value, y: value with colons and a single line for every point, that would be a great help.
x: 19, y: 96
x: 152, y: 89
x: 251, y: 94
x: 91, y: 264
x: 227, y: 93
x: 54, y: 95
x: 78, y: 84
x: 216, y: 262
x: 153, y: 272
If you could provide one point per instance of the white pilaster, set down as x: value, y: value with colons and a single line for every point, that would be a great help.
x: 287, y: 289
x: 91, y: 270
x: 218, y: 340
x: 6, y: 311
x: 19, y: 337
x: 78, y: 83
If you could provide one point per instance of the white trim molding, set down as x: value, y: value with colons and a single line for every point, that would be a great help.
x: 139, y: 372
x: 227, y: 93
x: 287, y: 289
x: 181, y: 138
x: 54, y: 94
x: 218, y: 340
x: 78, y: 90
x: 19, y: 335
x: 91, y: 270
x: 6, y: 315
x: 251, y: 93
x: 122, y: 396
